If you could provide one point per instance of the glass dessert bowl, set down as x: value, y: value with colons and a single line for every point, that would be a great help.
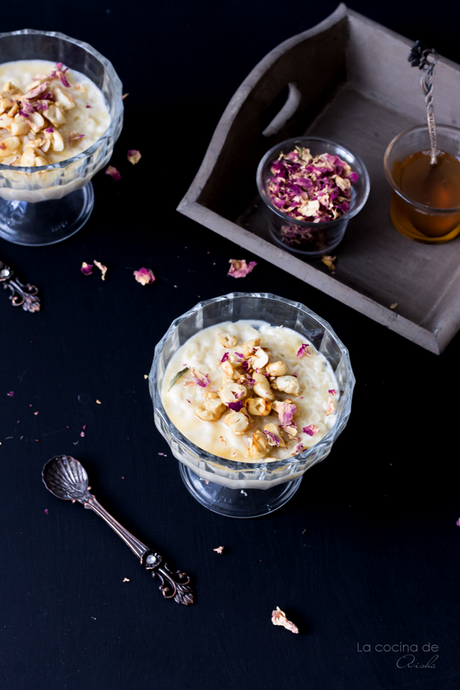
x: 253, y: 488
x: 320, y: 237
x: 45, y: 204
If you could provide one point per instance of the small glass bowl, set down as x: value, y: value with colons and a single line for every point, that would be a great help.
x: 302, y: 237
x: 248, y: 489
x: 411, y: 218
x: 63, y: 189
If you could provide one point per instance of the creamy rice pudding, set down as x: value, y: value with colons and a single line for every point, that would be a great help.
x: 48, y: 113
x: 248, y: 391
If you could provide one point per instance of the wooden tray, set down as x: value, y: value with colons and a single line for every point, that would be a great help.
x: 349, y: 80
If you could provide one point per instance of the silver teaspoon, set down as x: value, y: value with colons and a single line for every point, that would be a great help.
x: 66, y: 478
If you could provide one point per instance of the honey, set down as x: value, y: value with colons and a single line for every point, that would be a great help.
x: 435, y: 187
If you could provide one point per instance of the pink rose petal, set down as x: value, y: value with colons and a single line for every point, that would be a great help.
x: 239, y: 268
x: 144, y: 276
x: 86, y: 269
x: 133, y: 156
x: 113, y: 172
x: 311, y: 429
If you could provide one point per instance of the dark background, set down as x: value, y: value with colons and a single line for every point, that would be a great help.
x: 367, y: 551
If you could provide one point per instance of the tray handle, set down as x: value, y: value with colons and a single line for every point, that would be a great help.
x: 287, y: 111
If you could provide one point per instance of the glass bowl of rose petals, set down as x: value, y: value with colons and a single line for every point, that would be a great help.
x: 250, y: 390
x: 311, y: 187
x: 61, y: 112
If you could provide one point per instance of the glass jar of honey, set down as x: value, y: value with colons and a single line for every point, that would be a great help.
x: 425, y: 203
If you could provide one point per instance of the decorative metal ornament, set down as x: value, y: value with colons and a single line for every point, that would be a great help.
x: 24, y: 296
x: 425, y: 59
x: 66, y: 478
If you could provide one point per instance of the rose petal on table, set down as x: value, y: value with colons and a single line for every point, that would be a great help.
x: 113, y: 172
x: 219, y: 549
x: 86, y: 269
x: 279, y: 618
x: 329, y: 262
x: 144, y: 276
x: 102, y: 268
x: 239, y: 268
x: 133, y: 156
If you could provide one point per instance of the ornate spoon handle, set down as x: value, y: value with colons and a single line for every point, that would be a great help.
x: 425, y: 59
x: 24, y: 296
x: 174, y: 585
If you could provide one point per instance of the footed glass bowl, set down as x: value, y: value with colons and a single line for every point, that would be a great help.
x: 44, y: 205
x: 303, y: 237
x: 248, y: 489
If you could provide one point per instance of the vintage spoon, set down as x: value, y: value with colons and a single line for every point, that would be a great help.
x: 24, y: 296
x: 425, y: 59
x: 66, y: 478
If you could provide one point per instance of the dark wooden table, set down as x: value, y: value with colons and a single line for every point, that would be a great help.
x: 364, y: 558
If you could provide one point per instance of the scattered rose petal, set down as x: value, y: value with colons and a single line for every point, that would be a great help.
x: 102, y: 268
x: 394, y: 305
x: 11, y: 393
x: 332, y: 391
x: 239, y: 268
x: 279, y: 618
x: 458, y: 522
x: 113, y: 172
x: 98, y: 402
x: 144, y: 276
x: 126, y: 579
x: 133, y: 156
x: 82, y: 434
x: 86, y: 269
x: 125, y: 95
x: 46, y: 511
x: 225, y: 357
x: 219, y: 549
x: 303, y: 350
x: 311, y: 429
x: 329, y: 262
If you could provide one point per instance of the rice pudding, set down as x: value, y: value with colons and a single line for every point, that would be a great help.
x: 250, y: 392
x: 48, y: 113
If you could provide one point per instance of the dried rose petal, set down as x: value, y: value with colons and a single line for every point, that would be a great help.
x: 86, y: 269
x: 134, y: 156
x: 271, y: 436
x: 219, y: 549
x: 144, y: 276
x: 332, y: 391
x: 113, y: 172
x: 329, y: 261
x: 235, y: 406
x: 311, y: 429
x: 225, y: 357
x: 239, y: 268
x: 286, y: 412
x: 10, y: 394
x: 303, y: 350
x: 458, y: 522
x: 200, y: 379
x: 73, y: 136
x: 102, y: 268
x: 279, y: 618
x: 311, y: 189
x: 125, y: 95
